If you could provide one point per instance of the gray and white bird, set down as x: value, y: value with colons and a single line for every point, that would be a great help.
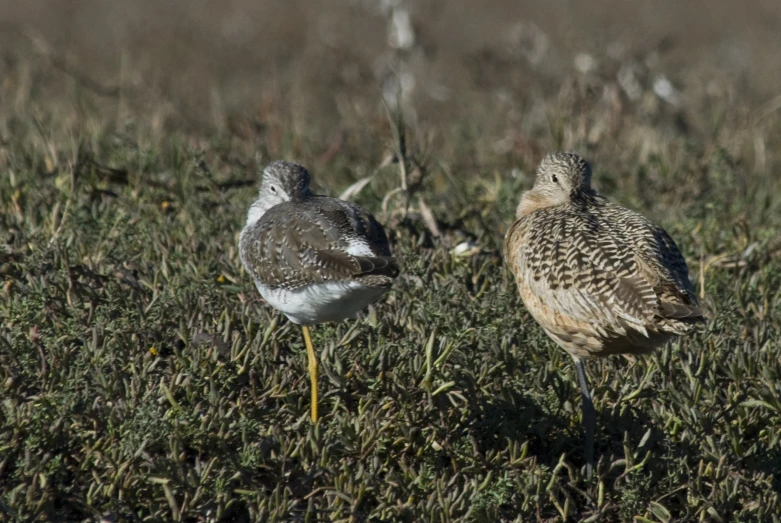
x: 315, y: 259
x: 600, y: 279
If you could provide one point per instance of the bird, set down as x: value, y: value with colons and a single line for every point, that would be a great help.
x: 599, y: 279
x: 314, y: 258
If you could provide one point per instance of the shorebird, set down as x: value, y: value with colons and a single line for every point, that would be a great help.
x: 600, y: 279
x: 313, y: 258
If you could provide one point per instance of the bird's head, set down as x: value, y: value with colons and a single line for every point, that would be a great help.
x: 559, y: 177
x: 281, y: 182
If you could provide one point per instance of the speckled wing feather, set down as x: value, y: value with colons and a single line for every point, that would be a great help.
x: 661, y: 264
x: 602, y: 265
x: 296, y: 244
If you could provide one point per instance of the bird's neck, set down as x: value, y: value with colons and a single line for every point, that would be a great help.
x: 265, y: 202
x: 256, y: 211
x: 260, y: 206
x: 533, y: 201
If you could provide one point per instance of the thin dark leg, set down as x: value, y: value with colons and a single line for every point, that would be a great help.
x: 589, y: 415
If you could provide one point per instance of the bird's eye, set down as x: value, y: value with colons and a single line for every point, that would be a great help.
x: 555, y: 179
x: 273, y: 189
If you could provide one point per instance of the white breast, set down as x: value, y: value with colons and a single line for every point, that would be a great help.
x: 321, y: 302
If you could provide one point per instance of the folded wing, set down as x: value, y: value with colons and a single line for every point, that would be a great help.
x: 326, y: 240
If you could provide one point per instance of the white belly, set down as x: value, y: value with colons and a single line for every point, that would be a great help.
x: 321, y: 302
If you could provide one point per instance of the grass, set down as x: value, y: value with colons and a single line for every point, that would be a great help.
x: 143, y: 379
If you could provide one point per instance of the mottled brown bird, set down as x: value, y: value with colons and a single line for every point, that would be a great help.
x: 313, y: 258
x: 600, y: 279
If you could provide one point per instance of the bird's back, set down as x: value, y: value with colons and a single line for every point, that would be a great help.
x: 317, y: 240
x: 601, y: 279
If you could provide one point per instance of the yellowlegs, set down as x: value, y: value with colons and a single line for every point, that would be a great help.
x: 600, y: 279
x: 313, y: 258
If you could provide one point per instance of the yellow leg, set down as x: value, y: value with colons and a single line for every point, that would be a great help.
x: 310, y: 352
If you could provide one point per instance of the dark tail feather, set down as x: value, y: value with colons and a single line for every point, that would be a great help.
x: 679, y: 311
x: 377, y: 266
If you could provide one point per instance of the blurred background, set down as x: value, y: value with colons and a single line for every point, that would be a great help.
x: 131, y: 134
x: 525, y: 75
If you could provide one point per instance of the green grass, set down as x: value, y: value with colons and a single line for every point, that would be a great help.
x: 143, y: 379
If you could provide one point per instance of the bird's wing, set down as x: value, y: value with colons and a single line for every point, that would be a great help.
x: 589, y: 271
x: 663, y: 265
x: 296, y: 244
